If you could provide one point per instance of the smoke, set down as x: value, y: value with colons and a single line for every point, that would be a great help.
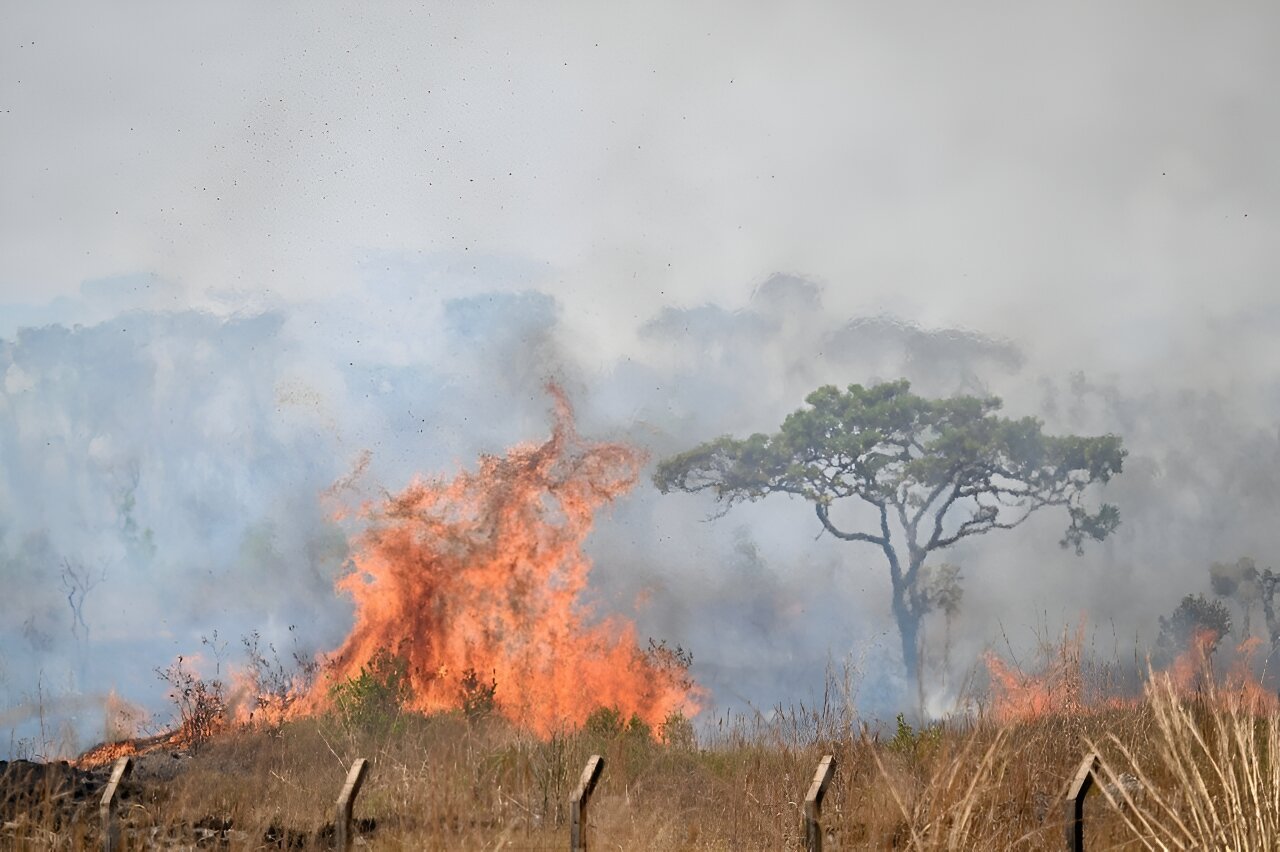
x: 240, y: 251
x: 184, y: 457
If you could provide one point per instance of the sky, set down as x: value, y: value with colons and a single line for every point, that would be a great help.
x: 243, y: 243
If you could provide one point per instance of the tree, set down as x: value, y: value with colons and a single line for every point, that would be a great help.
x: 1196, y: 624
x: 942, y: 590
x: 78, y: 581
x: 930, y: 472
x: 1246, y: 584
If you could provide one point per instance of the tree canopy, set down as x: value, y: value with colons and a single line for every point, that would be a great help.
x: 933, y: 471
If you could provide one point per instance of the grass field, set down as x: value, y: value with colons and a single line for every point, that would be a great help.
x: 1178, y: 772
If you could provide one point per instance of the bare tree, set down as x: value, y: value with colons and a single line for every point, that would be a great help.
x: 78, y: 580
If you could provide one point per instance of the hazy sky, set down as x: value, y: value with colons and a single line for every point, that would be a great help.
x: 242, y: 243
x: 1054, y: 171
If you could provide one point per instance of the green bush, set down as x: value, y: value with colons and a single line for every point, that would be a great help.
x: 373, y: 699
x: 607, y: 723
x: 604, y: 722
x: 909, y: 741
x: 677, y: 732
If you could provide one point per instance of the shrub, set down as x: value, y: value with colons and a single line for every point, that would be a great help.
x: 604, y: 722
x: 677, y: 732
x: 907, y: 740
x: 373, y: 699
x: 478, y: 697
x: 201, y: 704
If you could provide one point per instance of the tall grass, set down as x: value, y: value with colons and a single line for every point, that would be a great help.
x: 1176, y: 773
x: 1214, y: 779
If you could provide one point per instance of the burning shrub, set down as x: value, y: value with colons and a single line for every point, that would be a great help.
x: 201, y: 704
x: 1196, y: 621
x: 272, y: 684
x: 478, y: 699
x: 121, y: 719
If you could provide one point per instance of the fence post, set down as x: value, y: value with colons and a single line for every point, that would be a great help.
x: 343, y: 830
x: 1080, y: 786
x: 107, y: 806
x: 578, y: 803
x: 813, y: 804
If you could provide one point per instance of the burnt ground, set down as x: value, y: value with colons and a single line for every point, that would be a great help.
x: 48, y: 804
x: 57, y: 790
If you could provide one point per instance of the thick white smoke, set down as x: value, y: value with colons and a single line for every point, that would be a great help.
x: 243, y: 245
x: 180, y: 458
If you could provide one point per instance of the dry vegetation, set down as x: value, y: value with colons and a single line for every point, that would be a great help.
x: 1178, y: 773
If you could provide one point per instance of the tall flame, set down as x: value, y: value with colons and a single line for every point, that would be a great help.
x: 485, y: 574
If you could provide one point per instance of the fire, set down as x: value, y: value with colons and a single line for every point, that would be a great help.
x: 104, y: 753
x: 1060, y: 687
x: 482, y: 577
x: 1057, y: 688
x: 1192, y: 670
x: 109, y: 752
x: 1243, y: 686
x: 123, y: 719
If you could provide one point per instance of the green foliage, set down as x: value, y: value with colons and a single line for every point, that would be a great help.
x: 607, y: 723
x: 373, y: 699
x: 907, y: 740
x: 677, y: 732
x: 1195, y: 617
x: 888, y: 447
x: 1248, y: 586
x: 1239, y: 579
x: 604, y: 722
x: 639, y: 729
x: 942, y: 588
x: 935, y: 470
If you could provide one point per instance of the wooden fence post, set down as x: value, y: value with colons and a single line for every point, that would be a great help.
x: 578, y: 803
x: 813, y: 804
x: 107, y: 806
x: 1079, y: 788
x: 343, y: 830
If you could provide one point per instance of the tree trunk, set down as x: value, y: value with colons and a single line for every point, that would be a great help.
x: 909, y: 631
x: 922, y: 663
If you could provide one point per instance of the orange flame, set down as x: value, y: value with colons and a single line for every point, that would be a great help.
x: 485, y: 574
x: 1059, y: 688
x: 1192, y: 670
x: 1243, y: 687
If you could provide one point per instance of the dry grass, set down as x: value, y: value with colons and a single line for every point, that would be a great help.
x: 1205, y: 771
x: 1214, y: 781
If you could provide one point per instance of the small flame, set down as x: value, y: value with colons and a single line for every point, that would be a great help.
x: 1192, y: 670
x: 1059, y: 687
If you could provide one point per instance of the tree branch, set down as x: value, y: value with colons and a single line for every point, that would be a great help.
x: 823, y: 516
x: 987, y: 518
